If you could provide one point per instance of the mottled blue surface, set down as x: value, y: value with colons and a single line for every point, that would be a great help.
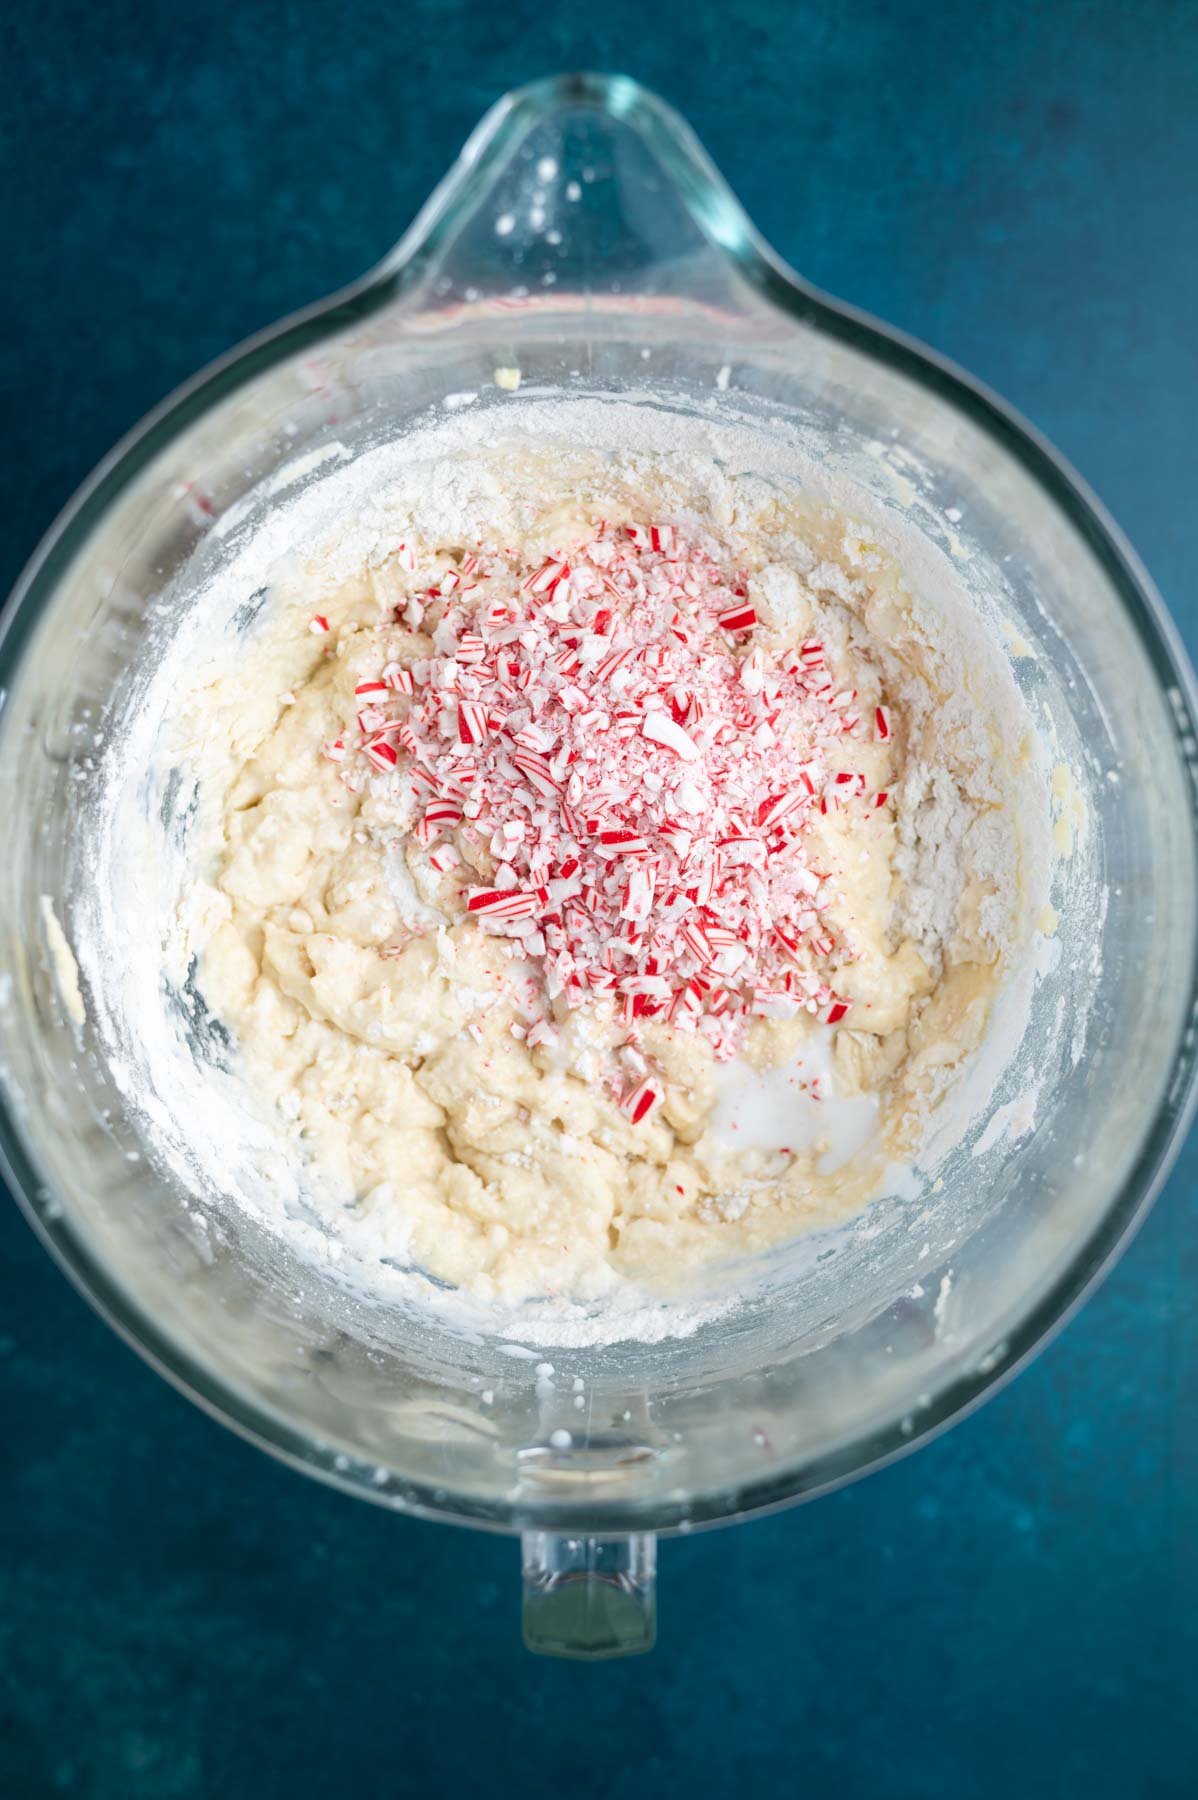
x: 1011, y: 1612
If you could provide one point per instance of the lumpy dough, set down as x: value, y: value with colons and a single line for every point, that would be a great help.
x: 385, y: 1031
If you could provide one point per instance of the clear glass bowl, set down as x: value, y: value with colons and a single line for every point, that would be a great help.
x: 584, y: 238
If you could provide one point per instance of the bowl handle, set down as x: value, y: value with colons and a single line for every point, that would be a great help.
x: 589, y: 1597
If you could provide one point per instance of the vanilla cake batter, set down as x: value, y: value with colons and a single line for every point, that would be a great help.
x: 601, y: 863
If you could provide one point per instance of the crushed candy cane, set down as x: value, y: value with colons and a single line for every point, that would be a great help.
x: 629, y: 779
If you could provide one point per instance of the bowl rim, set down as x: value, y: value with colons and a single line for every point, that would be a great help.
x: 721, y: 219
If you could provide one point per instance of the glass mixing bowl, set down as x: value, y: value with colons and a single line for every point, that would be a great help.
x: 584, y: 238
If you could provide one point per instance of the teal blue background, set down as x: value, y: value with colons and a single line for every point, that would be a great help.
x: 1010, y: 1613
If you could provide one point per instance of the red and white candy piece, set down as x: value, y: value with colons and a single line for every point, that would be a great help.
x: 643, y: 1100
x: 738, y: 618
x: 659, y: 728
x: 501, y: 903
x: 381, y: 751
x: 473, y: 723
x: 547, y: 577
